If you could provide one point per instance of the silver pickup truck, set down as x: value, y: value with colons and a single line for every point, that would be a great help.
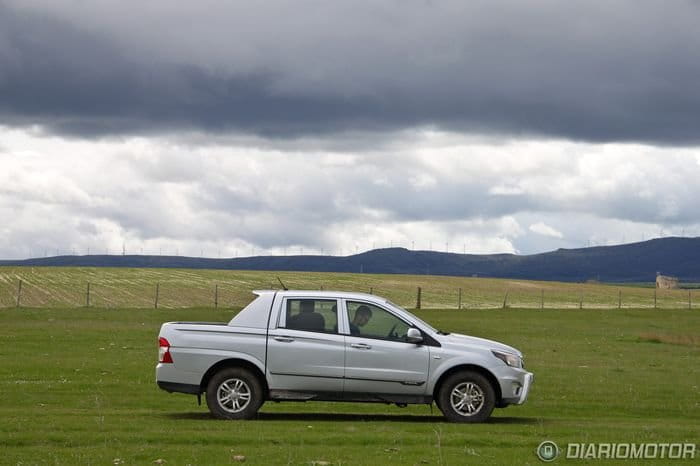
x: 336, y: 346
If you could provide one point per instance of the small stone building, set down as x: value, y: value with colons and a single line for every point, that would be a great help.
x: 665, y: 282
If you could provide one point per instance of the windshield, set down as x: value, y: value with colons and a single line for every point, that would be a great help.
x: 416, y: 319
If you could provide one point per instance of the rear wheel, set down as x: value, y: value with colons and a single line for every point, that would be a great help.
x: 466, y: 397
x: 234, y: 393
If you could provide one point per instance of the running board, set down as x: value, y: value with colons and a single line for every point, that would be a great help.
x: 292, y: 395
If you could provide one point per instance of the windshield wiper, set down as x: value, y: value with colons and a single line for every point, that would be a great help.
x: 440, y: 332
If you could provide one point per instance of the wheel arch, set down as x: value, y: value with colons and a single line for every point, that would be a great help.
x: 474, y: 368
x: 234, y: 362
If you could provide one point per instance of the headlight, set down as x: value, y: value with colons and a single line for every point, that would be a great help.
x: 509, y: 358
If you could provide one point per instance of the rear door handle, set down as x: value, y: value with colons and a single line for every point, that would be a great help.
x: 284, y: 339
x: 360, y: 346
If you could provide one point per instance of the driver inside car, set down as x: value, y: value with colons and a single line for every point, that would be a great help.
x: 362, y: 315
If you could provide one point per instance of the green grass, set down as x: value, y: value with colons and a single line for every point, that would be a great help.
x: 66, y: 287
x: 78, y: 387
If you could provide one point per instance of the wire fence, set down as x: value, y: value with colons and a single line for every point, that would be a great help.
x: 180, y: 289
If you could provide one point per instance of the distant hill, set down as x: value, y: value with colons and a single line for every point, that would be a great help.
x: 635, y: 262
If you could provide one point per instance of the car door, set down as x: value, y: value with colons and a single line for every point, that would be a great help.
x: 305, y: 352
x: 377, y: 357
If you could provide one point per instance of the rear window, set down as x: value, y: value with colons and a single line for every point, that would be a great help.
x: 313, y: 315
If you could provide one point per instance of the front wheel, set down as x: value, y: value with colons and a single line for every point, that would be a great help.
x: 234, y: 393
x: 466, y: 397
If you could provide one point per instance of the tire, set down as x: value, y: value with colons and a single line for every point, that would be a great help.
x: 234, y: 393
x: 466, y: 397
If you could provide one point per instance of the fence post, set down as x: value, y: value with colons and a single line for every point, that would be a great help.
x: 580, y: 301
x: 505, y: 300
x: 619, y: 299
x: 459, y: 300
x: 418, y: 299
x: 542, y: 300
x: 87, y: 296
x: 216, y: 296
x: 371, y: 290
x: 155, y: 304
x: 654, y: 298
x: 690, y: 302
x: 19, y: 292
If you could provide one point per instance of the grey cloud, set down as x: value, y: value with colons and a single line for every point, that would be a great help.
x: 236, y: 198
x: 628, y: 71
x: 87, y: 228
x: 670, y: 199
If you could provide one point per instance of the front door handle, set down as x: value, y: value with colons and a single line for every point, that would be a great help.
x: 284, y: 339
x: 361, y: 346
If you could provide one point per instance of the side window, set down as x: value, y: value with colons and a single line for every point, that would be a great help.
x: 313, y: 315
x: 370, y: 321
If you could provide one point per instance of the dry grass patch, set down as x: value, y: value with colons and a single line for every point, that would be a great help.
x: 687, y: 340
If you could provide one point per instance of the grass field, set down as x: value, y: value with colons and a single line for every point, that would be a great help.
x: 78, y: 388
x: 66, y: 287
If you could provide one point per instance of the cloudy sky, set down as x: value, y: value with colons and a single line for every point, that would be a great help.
x: 223, y: 128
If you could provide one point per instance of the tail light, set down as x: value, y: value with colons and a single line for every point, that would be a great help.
x: 164, y: 351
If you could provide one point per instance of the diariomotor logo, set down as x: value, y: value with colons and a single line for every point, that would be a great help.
x: 547, y: 451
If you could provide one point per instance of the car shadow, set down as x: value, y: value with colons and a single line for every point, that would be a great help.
x: 345, y: 417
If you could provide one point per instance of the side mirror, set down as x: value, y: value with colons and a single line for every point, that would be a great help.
x: 414, y: 336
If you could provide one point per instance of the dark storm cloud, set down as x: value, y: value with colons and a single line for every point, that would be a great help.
x: 622, y: 71
x: 78, y: 83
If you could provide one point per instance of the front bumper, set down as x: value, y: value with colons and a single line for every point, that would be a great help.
x: 527, y: 383
x: 515, y: 385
